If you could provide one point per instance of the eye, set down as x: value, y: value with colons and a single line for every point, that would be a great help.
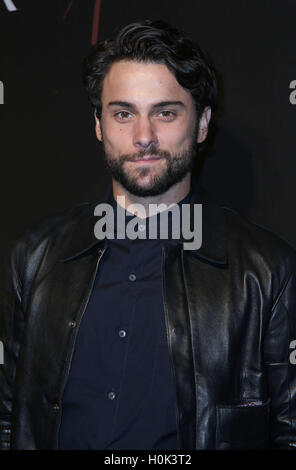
x: 167, y: 115
x: 123, y: 115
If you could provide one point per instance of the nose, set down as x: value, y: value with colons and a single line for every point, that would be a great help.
x: 144, y: 134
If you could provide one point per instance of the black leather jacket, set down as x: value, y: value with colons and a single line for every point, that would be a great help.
x: 230, y: 312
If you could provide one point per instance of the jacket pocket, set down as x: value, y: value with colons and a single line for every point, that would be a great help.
x: 243, y: 426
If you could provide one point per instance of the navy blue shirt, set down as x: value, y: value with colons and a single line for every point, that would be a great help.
x: 120, y: 391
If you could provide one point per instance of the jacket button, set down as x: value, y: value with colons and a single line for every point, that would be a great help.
x: 55, y: 407
x: 72, y: 324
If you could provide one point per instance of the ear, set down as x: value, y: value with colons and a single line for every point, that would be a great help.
x: 203, y: 124
x: 98, y: 128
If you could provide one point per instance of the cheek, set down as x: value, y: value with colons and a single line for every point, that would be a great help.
x: 176, y: 136
x: 117, y: 138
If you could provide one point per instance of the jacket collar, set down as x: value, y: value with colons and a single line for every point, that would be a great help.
x: 214, y: 238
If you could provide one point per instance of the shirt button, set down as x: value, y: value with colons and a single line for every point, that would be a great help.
x: 132, y: 277
x: 142, y: 227
x: 72, y: 324
x: 122, y: 333
x: 111, y: 395
x: 177, y: 331
x: 55, y: 407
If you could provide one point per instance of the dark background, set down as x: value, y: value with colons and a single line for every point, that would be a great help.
x: 50, y: 157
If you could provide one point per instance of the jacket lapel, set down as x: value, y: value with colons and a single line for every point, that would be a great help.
x: 188, y: 276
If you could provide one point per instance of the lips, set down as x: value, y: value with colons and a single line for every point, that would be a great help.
x: 148, y: 158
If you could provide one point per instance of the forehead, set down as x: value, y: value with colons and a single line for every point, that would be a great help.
x: 138, y: 81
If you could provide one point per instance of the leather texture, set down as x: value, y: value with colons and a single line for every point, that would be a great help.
x: 230, y: 312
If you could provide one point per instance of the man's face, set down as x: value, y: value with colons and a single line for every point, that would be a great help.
x: 148, y: 127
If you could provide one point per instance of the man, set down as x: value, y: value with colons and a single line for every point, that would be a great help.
x: 121, y: 342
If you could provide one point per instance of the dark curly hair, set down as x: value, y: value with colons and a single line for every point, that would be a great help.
x: 156, y: 42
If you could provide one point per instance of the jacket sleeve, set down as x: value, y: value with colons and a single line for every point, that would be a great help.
x: 280, y: 363
x: 11, y: 328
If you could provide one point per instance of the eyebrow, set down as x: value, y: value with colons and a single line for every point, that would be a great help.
x: 125, y: 104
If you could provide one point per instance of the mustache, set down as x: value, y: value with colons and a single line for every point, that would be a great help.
x: 151, y: 150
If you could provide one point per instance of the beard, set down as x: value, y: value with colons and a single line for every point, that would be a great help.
x: 177, y: 166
